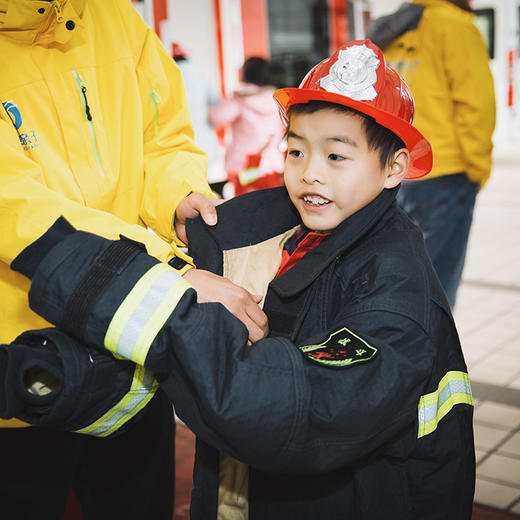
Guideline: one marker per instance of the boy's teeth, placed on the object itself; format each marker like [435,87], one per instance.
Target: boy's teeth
[315,200]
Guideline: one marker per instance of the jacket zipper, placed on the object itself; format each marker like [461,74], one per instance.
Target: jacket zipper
[82,87]
[57,8]
[155,98]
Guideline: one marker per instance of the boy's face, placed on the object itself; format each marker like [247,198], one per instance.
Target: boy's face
[329,171]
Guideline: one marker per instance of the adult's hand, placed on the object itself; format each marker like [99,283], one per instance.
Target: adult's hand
[193,205]
[241,303]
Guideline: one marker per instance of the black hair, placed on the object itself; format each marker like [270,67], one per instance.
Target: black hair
[256,70]
[379,138]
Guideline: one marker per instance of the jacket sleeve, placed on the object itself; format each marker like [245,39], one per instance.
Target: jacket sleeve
[268,404]
[28,207]
[473,95]
[174,165]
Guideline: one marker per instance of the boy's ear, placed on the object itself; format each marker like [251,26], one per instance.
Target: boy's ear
[398,168]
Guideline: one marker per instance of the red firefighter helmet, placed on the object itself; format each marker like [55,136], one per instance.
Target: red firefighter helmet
[356,76]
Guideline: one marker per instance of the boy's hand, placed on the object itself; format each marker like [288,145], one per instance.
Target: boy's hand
[193,205]
[242,304]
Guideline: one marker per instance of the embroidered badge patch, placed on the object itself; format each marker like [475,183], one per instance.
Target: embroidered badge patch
[342,349]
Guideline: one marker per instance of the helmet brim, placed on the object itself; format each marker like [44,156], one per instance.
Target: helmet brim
[421,156]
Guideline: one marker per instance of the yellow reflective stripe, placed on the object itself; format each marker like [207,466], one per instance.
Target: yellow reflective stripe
[144,311]
[128,306]
[143,388]
[158,319]
[454,388]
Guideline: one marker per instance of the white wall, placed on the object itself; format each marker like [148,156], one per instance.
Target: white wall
[232,42]
[192,24]
[506,38]
[382,7]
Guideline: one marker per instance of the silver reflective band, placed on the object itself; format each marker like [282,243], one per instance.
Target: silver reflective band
[144,311]
[454,388]
[143,388]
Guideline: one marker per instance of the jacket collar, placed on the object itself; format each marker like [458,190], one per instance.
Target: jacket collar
[257,216]
[22,21]
[347,234]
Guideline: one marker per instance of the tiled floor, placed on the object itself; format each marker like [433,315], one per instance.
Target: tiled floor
[488,318]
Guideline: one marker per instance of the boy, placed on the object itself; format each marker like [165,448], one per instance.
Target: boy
[358,403]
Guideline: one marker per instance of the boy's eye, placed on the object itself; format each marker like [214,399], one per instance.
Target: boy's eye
[295,153]
[336,157]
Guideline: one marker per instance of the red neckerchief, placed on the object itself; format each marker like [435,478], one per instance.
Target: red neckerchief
[305,241]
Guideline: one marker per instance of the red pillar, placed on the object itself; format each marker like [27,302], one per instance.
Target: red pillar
[220,48]
[160,13]
[338,24]
[255,28]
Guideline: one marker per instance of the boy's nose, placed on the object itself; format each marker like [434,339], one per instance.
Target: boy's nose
[311,174]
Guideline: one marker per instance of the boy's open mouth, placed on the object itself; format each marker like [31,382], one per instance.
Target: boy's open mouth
[315,200]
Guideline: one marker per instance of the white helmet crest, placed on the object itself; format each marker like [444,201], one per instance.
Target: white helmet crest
[353,74]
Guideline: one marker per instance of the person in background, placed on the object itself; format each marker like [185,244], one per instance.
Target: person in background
[95,127]
[437,48]
[253,158]
[201,94]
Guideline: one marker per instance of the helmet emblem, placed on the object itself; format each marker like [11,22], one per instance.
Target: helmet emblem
[353,74]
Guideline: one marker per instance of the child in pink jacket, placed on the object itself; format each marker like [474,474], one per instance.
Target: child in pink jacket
[253,157]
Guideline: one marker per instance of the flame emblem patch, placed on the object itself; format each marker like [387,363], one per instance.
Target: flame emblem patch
[341,349]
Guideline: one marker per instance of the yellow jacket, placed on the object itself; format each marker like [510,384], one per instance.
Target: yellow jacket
[445,63]
[94,126]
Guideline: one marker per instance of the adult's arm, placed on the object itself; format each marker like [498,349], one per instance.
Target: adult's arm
[174,165]
[28,207]
[175,168]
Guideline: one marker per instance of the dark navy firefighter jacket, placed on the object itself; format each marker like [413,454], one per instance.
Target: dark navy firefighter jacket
[357,405]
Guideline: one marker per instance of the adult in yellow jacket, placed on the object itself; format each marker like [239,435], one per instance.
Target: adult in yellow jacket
[437,48]
[94,126]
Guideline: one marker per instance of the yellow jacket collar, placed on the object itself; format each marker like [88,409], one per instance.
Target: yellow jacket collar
[36,21]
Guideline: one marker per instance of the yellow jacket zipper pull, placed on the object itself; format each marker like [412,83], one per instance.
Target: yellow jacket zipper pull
[57,8]
[87,108]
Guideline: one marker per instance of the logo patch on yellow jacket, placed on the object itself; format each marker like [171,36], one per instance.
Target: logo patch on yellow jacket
[341,349]
[28,139]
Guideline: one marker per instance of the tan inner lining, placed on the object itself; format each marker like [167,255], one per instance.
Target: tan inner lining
[253,268]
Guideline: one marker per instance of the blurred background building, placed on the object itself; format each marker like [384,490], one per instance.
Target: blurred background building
[296,34]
